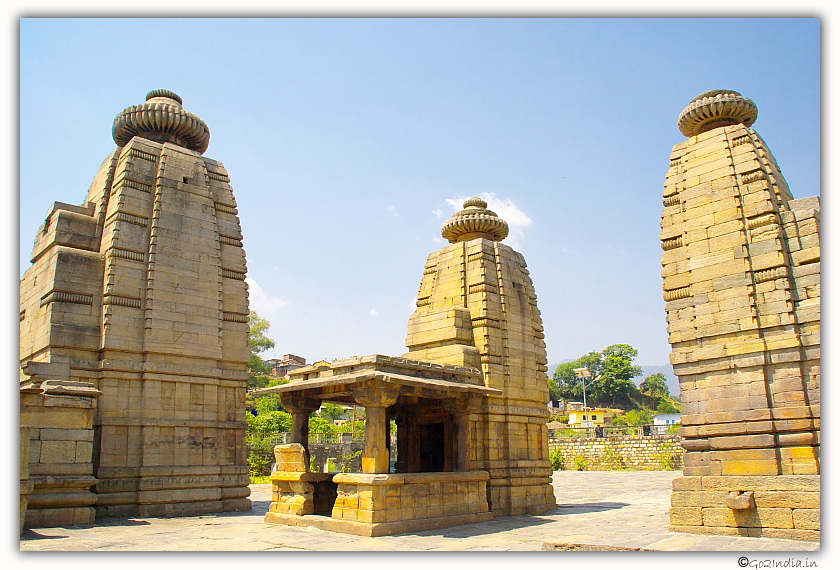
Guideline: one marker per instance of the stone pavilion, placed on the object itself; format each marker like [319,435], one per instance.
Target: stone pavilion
[468,399]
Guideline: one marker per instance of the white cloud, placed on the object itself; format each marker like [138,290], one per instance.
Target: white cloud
[393,210]
[436,239]
[506,209]
[373,313]
[260,302]
[438,213]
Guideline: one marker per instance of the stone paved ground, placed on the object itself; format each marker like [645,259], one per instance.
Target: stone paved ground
[606,508]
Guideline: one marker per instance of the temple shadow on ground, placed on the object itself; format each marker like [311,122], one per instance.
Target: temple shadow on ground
[587,507]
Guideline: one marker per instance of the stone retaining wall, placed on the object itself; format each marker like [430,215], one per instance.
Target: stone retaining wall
[651,453]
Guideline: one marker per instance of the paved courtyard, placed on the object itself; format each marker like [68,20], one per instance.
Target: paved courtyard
[624,509]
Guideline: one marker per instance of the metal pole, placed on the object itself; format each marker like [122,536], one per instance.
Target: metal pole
[585,415]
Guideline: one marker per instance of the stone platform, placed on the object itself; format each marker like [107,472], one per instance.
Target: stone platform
[380,504]
[602,509]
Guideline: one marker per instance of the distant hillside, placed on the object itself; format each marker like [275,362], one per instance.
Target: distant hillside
[666,369]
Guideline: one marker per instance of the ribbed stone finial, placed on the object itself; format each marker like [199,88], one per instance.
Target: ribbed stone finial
[165,94]
[474,221]
[162,119]
[717,108]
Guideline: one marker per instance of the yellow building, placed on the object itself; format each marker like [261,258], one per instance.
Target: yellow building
[577,416]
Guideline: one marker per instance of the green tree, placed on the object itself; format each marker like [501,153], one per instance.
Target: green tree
[566,384]
[612,371]
[259,372]
[655,386]
[616,371]
[321,425]
[331,412]
[666,407]
[269,422]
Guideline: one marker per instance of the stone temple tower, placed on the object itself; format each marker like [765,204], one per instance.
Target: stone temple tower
[477,308]
[141,292]
[741,270]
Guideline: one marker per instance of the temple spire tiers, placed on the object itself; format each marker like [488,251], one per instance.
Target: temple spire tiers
[141,292]
[741,282]
[477,307]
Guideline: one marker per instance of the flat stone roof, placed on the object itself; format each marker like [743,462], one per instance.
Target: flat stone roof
[412,377]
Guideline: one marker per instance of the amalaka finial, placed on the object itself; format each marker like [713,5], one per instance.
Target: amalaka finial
[474,221]
[717,108]
[162,119]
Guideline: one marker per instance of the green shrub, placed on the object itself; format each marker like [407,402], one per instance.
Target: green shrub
[556,457]
[666,407]
[258,464]
[350,462]
[581,463]
[614,459]
[639,417]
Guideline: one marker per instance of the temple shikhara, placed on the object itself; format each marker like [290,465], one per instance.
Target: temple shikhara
[468,399]
[134,334]
[741,271]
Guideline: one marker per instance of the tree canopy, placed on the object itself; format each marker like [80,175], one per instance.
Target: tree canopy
[612,371]
[655,386]
[260,373]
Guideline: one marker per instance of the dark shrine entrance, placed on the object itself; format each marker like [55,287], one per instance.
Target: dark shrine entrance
[425,438]
[432,442]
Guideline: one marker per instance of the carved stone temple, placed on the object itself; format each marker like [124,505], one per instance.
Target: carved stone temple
[468,399]
[741,270]
[135,313]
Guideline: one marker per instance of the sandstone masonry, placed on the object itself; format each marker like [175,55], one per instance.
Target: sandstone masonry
[477,307]
[140,291]
[741,280]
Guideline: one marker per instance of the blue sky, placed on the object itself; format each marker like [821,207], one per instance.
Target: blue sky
[349,141]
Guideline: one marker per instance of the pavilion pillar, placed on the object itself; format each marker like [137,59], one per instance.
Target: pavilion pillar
[300,408]
[376,400]
[461,408]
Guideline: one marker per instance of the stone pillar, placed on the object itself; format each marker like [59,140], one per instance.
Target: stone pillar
[462,430]
[376,458]
[25,484]
[401,465]
[461,409]
[376,400]
[300,408]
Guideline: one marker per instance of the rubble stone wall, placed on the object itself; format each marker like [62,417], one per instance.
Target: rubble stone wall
[640,453]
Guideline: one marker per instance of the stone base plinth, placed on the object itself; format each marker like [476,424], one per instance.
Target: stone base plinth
[773,506]
[376,529]
[57,414]
[172,491]
[523,488]
[382,504]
